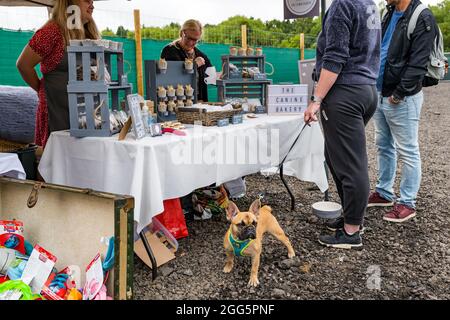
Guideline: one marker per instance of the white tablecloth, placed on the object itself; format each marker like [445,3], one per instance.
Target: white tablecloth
[160,168]
[10,166]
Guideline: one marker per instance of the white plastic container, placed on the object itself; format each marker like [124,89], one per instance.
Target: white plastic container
[7,257]
[327,209]
[145,118]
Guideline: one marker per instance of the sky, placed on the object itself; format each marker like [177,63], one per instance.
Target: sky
[114,13]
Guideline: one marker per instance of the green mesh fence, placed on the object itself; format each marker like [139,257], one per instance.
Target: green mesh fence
[12,44]
[284,61]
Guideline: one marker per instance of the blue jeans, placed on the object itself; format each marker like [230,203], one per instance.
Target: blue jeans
[397,133]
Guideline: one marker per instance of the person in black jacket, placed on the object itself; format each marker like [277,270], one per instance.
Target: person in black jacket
[403,68]
[185,48]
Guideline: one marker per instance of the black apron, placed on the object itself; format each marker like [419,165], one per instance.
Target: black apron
[55,83]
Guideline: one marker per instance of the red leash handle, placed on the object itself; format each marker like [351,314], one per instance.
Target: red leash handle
[174,131]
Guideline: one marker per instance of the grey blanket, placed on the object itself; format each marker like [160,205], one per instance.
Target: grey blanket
[18,107]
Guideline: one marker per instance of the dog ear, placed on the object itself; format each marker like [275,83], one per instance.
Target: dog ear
[232,210]
[254,208]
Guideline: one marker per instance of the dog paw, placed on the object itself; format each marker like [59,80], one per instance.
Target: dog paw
[227,268]
[253,282]
[291,255]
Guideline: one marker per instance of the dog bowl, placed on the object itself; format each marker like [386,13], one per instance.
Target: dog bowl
[327,209]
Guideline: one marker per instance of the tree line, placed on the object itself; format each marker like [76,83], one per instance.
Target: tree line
[275,33]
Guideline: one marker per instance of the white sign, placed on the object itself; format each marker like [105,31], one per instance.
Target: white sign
[287,99]
[300,8]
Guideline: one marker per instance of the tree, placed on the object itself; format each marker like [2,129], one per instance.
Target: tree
[441,13]
[121,32]
[108,33]
[270,33]
[275,33]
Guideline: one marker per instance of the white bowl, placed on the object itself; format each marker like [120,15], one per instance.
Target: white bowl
[327,209]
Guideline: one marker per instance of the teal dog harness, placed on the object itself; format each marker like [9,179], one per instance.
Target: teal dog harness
[238,245]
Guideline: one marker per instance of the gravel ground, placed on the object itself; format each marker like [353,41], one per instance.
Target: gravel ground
[397,261]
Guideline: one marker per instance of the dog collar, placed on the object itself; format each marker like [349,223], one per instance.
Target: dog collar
[238,245]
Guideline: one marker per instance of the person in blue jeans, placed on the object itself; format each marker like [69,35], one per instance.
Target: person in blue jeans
[402,70]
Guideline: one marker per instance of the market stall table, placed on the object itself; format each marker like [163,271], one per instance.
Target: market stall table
[170,166]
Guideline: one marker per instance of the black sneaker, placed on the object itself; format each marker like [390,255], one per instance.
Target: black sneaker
[338,223]
[341,240]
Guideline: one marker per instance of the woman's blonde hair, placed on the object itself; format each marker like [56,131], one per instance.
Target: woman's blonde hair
[60,17]
[191,25]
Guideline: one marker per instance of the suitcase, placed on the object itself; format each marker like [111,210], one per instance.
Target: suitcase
[70,222]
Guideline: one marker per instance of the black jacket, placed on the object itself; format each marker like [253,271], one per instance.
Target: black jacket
[173,52]
[406,62]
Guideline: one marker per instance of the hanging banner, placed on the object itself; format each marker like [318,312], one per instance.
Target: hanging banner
[294,9]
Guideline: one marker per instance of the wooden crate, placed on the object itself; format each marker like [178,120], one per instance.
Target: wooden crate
[86,94]
[242,62]
[244,89]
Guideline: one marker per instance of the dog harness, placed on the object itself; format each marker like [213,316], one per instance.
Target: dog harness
[238,245]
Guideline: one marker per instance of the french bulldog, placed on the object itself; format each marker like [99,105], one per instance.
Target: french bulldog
[245,235]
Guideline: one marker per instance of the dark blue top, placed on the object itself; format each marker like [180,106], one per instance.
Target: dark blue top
[385,45]
[349,43]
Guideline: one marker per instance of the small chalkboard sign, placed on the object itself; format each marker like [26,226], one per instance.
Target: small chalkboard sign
[136,117]
[287,99]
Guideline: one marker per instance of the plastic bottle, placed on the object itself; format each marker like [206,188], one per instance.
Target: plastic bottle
[151,120]
[145,116]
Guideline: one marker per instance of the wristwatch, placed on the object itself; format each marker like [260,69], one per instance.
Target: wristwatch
[395,100]
[316,99]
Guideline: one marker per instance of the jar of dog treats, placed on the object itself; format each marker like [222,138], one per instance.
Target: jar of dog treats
[170,91]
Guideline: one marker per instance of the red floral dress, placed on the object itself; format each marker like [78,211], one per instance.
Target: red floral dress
[48,43]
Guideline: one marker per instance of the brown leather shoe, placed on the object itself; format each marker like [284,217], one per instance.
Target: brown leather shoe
[400,213]
[375,200]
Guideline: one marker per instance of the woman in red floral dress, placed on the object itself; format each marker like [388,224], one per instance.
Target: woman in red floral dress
[48,47]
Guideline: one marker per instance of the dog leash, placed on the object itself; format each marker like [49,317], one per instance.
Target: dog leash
[261,195]
[301,131]
[293,145]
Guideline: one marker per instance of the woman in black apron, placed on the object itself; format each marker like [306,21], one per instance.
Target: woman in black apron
[48,48]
